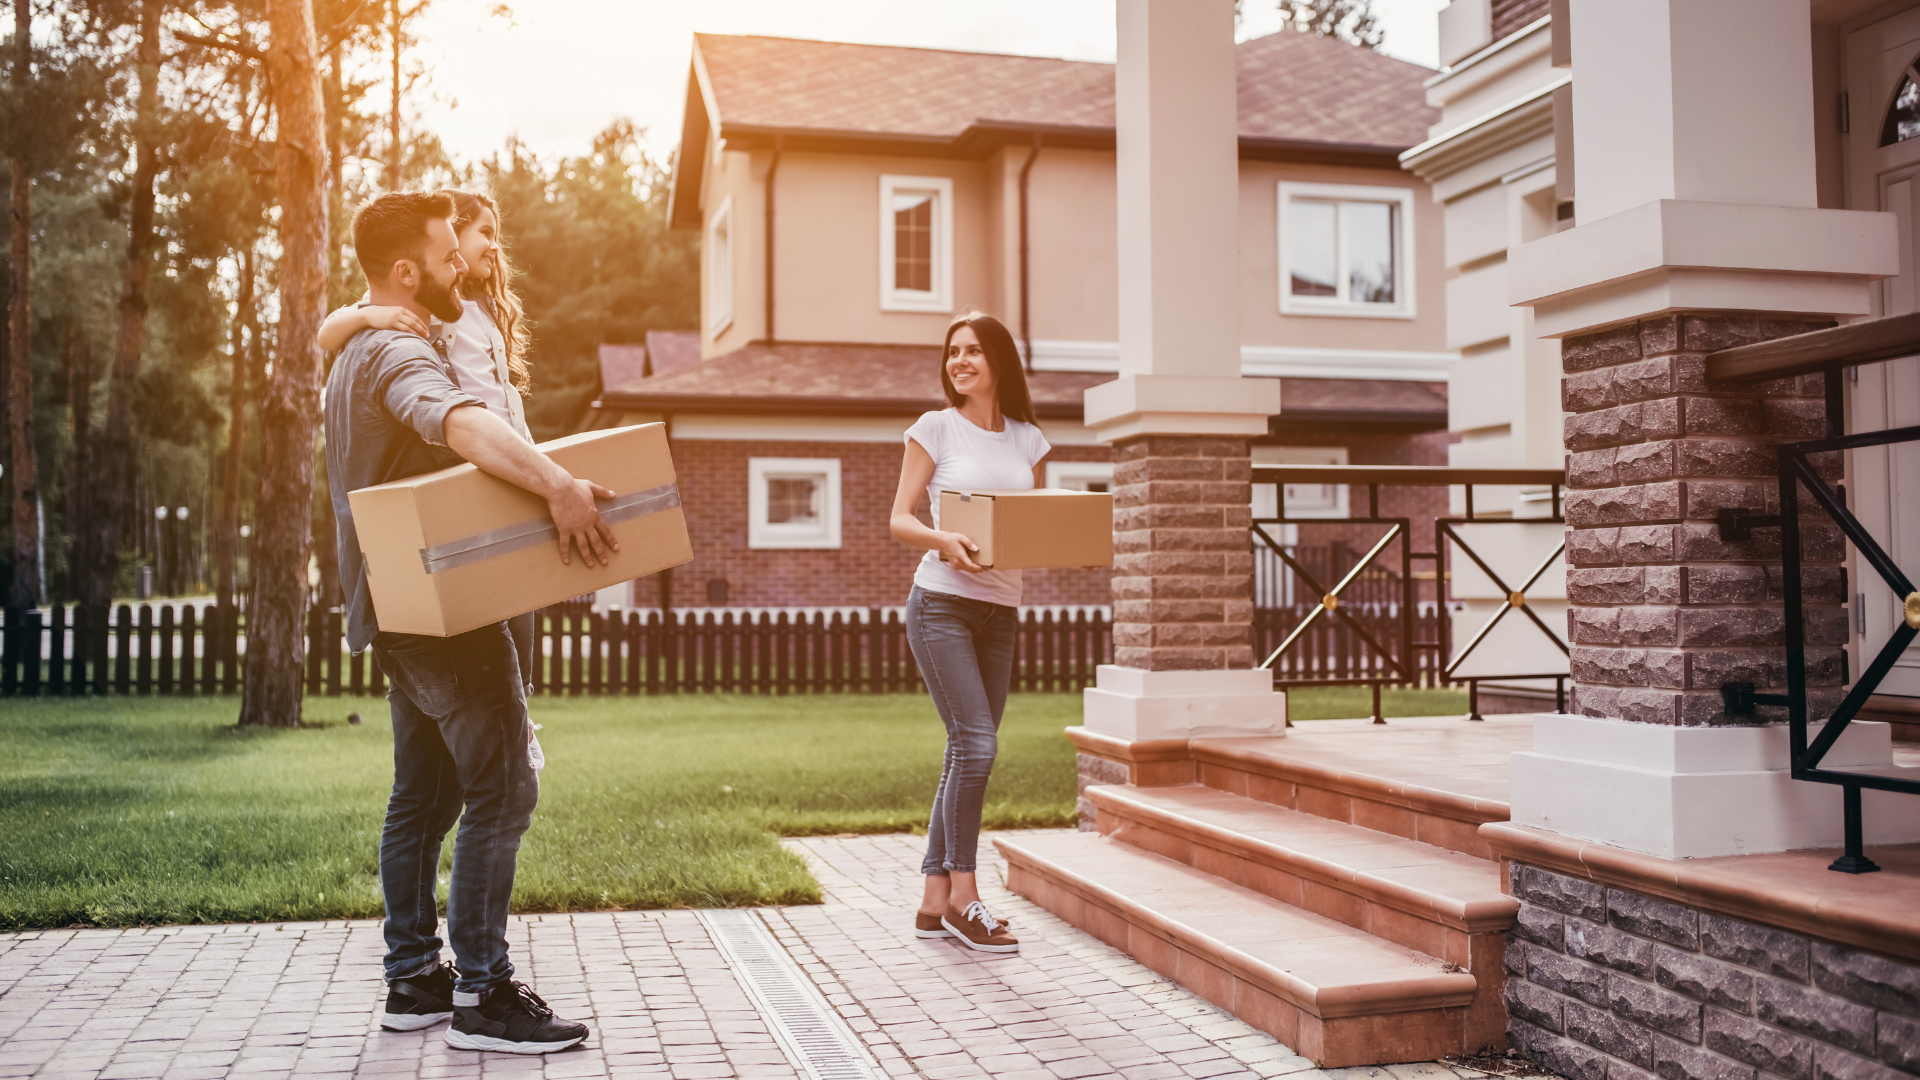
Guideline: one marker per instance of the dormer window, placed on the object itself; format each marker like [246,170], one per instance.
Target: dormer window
[916,243]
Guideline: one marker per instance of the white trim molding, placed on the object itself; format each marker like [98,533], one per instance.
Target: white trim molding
[717,254]
[1341,196]
[1080,475]
[1272,361]
[763,534]
[939,298]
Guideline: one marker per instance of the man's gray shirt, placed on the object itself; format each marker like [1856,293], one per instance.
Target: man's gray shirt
[386,408]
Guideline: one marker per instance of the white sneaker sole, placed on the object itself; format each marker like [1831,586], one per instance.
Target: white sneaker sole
[977,946]
[411,1021]
[943,932]
[462,1040]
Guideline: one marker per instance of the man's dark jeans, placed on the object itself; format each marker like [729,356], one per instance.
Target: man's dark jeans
[459,740]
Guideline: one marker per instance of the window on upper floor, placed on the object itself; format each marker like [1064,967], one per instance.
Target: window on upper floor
[719,262]
[1346,250]
[1903,116]
[793,503]
[916,243]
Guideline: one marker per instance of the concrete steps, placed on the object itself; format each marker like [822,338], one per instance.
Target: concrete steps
[1329,889]
[1335,994]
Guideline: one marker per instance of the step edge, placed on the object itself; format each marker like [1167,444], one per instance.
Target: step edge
[1440,989]
[1464,808]
[1473,917]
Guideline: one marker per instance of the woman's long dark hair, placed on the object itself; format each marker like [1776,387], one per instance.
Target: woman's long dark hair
[1003,359]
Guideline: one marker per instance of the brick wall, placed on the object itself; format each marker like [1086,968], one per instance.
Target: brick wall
[1607,984]
[1663,611]
[869,568]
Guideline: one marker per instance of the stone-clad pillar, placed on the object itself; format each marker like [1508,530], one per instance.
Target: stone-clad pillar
[1183,561]
[1664,613]
[1180,415]
[1698,228]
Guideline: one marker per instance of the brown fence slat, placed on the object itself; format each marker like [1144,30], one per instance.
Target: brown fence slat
[143,673]
[189,649]
[331,659]
[56,648]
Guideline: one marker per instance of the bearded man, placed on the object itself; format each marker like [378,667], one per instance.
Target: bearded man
[460,731]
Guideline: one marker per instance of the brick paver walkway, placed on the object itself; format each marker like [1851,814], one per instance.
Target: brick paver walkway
[302,999]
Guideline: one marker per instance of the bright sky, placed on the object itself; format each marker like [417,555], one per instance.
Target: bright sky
[564,68]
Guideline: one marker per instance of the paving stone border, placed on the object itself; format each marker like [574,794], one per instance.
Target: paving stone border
[267,1001]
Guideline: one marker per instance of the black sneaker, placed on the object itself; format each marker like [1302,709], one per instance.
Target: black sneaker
[419,1001]
[512,1020]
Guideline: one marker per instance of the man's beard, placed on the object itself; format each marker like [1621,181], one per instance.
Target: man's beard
[442,300]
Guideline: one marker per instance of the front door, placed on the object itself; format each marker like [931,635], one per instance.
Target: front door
[1883,173]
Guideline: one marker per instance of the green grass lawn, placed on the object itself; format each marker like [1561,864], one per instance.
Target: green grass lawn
[124,812]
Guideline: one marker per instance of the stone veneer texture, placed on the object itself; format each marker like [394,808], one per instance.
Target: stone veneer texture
[1663,612]
[1182,553]
[1607,984]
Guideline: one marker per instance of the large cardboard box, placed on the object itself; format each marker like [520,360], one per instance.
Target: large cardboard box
[1031,530]
[456,549]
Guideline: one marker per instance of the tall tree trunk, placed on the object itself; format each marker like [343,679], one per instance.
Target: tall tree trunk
[336,178]
[24,476]
[79,469]
[115,456]
[276,648]
[227,533]
[394,157]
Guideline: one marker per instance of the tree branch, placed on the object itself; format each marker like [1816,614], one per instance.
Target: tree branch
[239,47]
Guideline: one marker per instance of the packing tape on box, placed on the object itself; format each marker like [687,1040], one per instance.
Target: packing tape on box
[527,534]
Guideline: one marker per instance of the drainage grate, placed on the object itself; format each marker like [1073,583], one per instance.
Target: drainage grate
[813,1036]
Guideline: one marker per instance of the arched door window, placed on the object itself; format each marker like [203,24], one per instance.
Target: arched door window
[1903,116]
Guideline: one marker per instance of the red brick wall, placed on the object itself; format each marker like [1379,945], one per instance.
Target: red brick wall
[869,568]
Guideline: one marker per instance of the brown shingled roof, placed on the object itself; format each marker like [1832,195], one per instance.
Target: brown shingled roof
[1292,87]
[1300,96]
[794,378]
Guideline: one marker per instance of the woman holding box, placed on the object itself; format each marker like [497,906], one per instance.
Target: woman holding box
[961,616]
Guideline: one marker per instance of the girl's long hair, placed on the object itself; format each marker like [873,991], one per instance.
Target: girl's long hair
[496,293]
[1003,359]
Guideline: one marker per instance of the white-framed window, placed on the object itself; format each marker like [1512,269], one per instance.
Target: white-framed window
[916,243]
[719,260]
[1080,475]
[1303,500]
[1346,249]
[793,503]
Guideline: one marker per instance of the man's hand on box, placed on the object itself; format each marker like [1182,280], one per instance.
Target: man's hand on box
[579,524]
[957,549]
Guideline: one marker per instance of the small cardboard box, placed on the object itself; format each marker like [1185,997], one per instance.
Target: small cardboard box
[456,549]
[1031,530]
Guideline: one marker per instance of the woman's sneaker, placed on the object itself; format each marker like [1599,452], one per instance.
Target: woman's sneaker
[419,1001]
[511,1019]
[927,926]
[979,930]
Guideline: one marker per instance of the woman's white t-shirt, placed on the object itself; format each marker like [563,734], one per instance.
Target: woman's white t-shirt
[967,457]
[478,352]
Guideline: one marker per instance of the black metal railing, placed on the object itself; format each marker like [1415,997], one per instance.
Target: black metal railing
[1380,641]
[1829,353]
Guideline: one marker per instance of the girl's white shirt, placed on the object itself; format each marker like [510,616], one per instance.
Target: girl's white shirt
[967,457]
[478,352]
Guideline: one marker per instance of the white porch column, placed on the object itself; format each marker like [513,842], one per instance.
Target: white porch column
[1698,229]
[1180,415]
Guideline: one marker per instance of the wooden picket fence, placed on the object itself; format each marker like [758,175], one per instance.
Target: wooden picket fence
[75,651]
[1330,652]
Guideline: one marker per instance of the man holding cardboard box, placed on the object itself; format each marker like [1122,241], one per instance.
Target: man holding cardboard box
[394,410]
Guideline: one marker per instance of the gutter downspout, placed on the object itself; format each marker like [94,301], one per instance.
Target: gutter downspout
[1026,323]
[772,168]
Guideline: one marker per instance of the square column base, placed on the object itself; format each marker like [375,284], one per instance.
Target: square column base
[1697,792]
[1135,704]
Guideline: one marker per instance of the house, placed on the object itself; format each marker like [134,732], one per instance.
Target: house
[1686,239]
[852,199]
